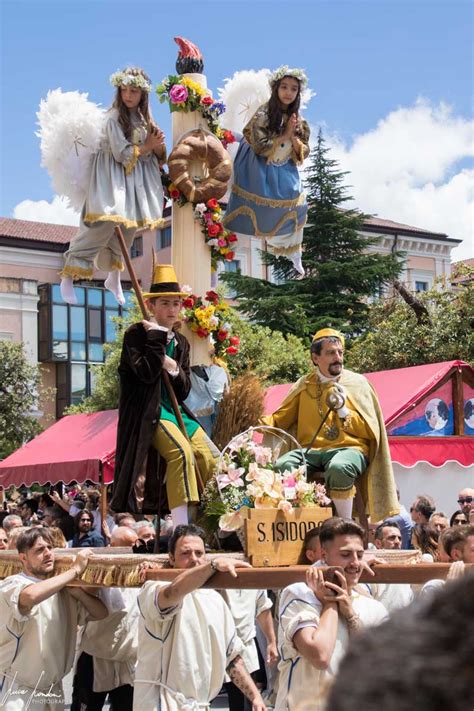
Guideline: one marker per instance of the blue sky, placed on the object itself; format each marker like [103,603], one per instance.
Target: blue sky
[369,61]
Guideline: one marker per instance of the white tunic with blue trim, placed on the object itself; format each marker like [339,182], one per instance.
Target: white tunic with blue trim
[37,649]
[183,651]
[301,686]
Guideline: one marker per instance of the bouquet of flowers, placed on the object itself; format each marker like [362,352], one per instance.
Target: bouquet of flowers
[211,320]
[184,94]
[246,477]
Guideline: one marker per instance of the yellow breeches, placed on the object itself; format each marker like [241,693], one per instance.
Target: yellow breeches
[181,485]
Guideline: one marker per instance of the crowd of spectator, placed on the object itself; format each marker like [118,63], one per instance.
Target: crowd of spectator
[293,648]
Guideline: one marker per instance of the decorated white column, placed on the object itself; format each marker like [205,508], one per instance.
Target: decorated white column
[190,255]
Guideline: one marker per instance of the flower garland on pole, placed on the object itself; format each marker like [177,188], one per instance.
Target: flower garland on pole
[211,319]
[221,241]
[183,94]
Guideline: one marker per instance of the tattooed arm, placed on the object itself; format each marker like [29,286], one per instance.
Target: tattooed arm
[241,678]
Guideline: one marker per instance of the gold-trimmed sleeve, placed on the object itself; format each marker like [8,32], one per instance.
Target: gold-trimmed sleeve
[130,165]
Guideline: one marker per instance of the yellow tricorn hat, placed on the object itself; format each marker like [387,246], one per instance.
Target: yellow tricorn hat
[327,332]
[164,282]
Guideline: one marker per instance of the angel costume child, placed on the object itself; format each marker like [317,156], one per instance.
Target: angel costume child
[267,198]
[124,187]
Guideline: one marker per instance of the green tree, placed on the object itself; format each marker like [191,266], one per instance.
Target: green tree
[439,326]
[19,397]
[340,271]
[270,355]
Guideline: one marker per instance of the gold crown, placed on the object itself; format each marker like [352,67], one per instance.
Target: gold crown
[327,332]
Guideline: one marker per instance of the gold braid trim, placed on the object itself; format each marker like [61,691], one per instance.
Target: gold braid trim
[245,210]
[117,266]
[76,272]
[267,202]
[133,160]
[299,154]
[343,493]
[149,224]
[108,570]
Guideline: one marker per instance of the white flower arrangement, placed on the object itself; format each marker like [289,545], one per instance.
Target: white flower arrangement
[138,81]
[246,477]
[285,71]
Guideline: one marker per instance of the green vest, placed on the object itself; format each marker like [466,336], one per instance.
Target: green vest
[167,412]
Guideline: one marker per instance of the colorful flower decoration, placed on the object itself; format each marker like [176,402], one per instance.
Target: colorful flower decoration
[125,78]
[211,319]
[184,94]
[246,477]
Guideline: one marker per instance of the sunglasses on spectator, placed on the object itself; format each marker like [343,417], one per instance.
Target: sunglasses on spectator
[466,500]
[459,522]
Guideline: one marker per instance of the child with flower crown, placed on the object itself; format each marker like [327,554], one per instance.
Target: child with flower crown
[267,199]
[124,188]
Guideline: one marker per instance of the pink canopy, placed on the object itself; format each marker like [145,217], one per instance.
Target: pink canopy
[75,448]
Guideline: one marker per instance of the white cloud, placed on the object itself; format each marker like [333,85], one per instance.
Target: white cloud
[407,169]
[56,211]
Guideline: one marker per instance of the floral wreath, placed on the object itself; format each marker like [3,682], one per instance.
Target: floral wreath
[210,319]
[285,71]
[124,78]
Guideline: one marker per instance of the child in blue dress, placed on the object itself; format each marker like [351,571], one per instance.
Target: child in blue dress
[267,198]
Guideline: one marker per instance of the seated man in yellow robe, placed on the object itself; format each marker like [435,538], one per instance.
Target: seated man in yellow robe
[350,442]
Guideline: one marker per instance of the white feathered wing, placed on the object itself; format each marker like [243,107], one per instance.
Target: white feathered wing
[242,94]
[70,132]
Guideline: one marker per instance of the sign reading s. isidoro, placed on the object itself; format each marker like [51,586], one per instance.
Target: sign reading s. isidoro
[276,538]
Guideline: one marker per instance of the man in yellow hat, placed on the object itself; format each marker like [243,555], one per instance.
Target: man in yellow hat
[335,415]
[147,427]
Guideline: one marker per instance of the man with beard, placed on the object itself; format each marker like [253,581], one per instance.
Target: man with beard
[187,639]
[85,536]
[317,618]
[351,441]
[39,620]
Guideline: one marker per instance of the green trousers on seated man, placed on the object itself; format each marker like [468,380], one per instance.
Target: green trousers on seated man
[340,467]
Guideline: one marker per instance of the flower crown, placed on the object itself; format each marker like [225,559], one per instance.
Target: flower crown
[126,79]
[285,71]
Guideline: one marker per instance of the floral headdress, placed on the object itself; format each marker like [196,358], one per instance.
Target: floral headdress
[125,78]
[285,71]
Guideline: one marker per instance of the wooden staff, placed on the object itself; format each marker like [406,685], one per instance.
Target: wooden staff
[166,380]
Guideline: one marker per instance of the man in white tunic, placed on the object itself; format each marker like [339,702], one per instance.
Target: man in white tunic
[388,536]
[317,618]
[187,637]
[108,649]
[39,617]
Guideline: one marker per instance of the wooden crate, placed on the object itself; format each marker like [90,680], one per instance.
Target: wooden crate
[276,538]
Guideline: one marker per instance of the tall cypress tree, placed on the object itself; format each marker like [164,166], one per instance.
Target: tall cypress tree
[341,274]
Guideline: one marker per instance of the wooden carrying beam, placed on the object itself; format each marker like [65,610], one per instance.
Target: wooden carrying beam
[274,578]
[109,567]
